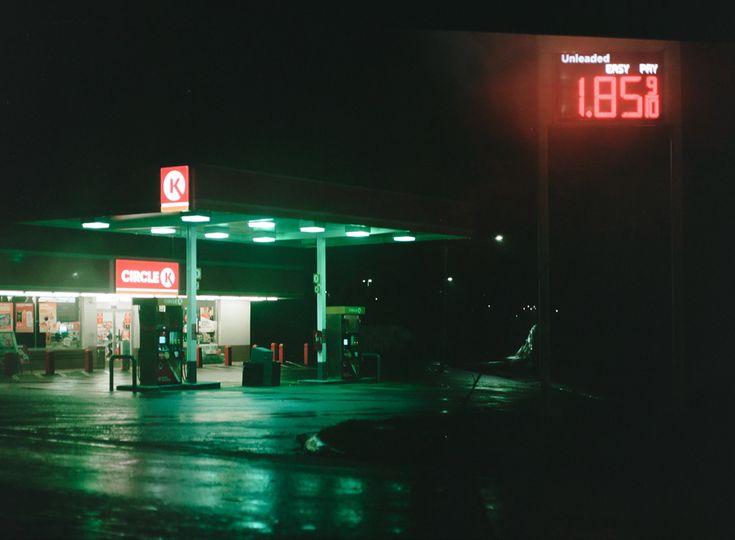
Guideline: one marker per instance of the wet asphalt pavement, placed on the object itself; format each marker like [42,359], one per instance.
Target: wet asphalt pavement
[425,459]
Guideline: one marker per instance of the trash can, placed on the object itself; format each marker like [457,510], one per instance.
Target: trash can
[261,370]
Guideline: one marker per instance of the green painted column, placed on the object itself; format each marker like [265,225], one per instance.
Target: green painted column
[191,298]
[321,304]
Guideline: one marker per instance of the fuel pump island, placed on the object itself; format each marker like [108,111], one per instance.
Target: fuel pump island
[161,357]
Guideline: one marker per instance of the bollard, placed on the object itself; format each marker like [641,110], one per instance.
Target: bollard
[280,353]
[88,360]
[228,355]
[306,354]
[199,356]
[273,350]
[49,362]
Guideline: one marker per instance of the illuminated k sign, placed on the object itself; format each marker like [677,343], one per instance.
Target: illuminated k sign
[168,278]
[174,185]
[175,189]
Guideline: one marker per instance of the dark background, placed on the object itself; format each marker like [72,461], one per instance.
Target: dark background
[94,98]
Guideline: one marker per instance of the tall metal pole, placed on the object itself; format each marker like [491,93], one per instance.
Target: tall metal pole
[543,250]
[680,368]
[321,305]
[191,298]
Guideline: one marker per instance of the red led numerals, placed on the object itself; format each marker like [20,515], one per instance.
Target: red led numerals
[611,94]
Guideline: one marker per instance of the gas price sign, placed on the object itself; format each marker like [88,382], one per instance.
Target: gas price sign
[604,87]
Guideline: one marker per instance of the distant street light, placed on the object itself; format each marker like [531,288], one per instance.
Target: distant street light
[499,238]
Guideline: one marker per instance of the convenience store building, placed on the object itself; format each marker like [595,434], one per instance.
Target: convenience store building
[212,239]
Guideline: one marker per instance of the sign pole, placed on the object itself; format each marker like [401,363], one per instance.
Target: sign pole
[542,226]
[680,367]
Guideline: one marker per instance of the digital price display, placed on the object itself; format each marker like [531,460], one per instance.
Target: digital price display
[609,87]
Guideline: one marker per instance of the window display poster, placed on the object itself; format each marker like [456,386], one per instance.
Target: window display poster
[47,317]
[24,318]
[6,317]
[206,320]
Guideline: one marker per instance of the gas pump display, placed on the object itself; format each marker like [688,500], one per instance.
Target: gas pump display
[344,358]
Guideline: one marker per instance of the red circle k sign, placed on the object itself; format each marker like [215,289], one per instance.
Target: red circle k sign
[154,277]
[175,189]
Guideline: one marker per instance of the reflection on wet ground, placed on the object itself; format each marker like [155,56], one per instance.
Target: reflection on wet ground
[427,459]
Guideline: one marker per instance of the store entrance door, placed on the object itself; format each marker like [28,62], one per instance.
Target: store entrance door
[117,331]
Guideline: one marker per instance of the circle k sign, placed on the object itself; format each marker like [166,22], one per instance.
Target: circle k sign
[160,278]
[175,189]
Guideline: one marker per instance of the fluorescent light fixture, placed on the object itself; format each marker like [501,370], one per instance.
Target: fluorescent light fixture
[162,230]
[271,298]
[264,239]
[216,235]
[95,225]
[404,238]
[38,293]
[12,293]
[357,231]
[312,229]
[194,218]
[264,224]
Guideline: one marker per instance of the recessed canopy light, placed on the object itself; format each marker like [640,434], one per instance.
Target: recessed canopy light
[162,230]
[216,235]
[265,224]
[357,231]
[264,239]
[404,238]
[95,225]
[194,218]
[499,238]
[312,229]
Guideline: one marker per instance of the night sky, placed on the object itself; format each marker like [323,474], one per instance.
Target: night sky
[92,100]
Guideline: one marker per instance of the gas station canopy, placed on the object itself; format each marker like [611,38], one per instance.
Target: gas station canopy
[237,206]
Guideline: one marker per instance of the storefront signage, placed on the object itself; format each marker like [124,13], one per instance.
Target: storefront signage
[175,189]
[46,317]
[24,318]
[153,277]
[6,317]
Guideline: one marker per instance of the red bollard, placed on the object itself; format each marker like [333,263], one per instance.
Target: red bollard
[88,360]
[273,350]
[49,362]
[228,355]
[199,356]
[280,353]
[306,354]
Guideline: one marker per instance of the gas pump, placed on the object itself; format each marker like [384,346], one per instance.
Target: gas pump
[161,354]
[344,358]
